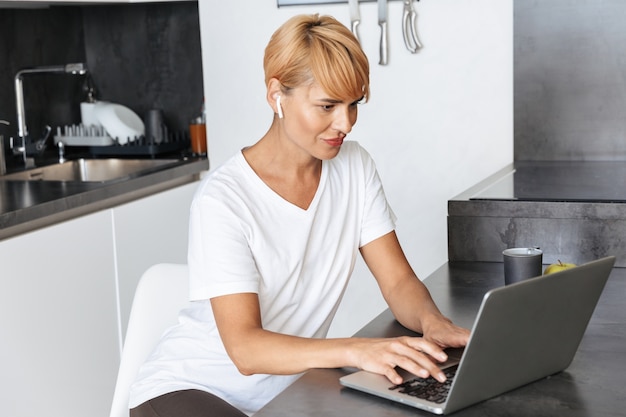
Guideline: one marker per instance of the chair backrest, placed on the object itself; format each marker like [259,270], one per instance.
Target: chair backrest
[161,293]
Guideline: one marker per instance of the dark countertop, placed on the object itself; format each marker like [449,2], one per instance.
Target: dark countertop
[28,205]
[593,385]
[573,181]
[573,210]
[548,189]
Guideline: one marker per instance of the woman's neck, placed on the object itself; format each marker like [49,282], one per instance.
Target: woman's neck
[288,171]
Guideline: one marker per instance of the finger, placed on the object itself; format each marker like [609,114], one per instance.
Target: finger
[414,355]
[393,376]
[430,348]
[423,367]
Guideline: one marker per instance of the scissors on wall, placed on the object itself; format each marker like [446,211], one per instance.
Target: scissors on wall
[409,27]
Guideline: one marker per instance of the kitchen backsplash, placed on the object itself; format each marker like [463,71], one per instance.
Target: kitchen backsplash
[143,56]
[570,80]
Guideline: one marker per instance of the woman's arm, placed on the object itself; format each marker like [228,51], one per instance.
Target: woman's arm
[255,350]
[406,295]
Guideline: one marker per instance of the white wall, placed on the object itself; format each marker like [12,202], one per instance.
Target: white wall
[437,122]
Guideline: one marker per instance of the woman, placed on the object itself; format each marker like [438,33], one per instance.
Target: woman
[274,235]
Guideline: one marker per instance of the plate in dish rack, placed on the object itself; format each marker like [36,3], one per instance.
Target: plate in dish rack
[119,121]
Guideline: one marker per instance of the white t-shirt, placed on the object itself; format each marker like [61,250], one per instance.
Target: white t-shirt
[244,237]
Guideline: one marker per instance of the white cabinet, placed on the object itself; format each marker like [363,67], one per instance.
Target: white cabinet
[66,295]
[149,231]
[58,320]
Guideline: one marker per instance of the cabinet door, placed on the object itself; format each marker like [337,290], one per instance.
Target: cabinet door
[59,349]
[149,231]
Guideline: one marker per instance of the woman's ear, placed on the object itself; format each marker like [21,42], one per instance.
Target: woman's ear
[273,96]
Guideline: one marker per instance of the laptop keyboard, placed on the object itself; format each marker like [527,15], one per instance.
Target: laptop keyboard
[429,388]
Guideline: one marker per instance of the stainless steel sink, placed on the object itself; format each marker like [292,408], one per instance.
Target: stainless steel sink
[92,170]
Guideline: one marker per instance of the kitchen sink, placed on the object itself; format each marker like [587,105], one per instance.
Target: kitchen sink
[92,170]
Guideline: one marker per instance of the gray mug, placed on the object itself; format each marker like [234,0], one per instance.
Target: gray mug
[156,132]
[521,264]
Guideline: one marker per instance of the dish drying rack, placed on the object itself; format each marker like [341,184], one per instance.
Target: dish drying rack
[99,143]
[81,135]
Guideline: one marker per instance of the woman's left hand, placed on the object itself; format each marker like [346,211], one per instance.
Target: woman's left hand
[444,333]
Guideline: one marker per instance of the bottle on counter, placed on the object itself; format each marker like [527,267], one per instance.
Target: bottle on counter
[197,133]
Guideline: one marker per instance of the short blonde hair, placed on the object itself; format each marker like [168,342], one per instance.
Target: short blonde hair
[309,48]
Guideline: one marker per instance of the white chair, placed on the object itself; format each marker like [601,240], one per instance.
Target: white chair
[161,293]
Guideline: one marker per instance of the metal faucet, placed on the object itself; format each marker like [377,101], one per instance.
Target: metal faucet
[22,130]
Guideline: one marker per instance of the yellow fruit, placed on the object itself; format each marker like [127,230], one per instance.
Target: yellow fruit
[560,266]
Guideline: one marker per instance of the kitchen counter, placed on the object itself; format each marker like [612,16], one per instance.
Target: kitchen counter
[557,181]
[574,211]
[29,205]
[592,385]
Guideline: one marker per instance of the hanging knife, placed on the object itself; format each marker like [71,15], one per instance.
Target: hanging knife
[355,17]
[382,22]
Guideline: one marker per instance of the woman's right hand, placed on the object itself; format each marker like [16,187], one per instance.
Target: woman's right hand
[414,354]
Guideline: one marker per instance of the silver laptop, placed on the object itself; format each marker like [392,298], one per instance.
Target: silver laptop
[523,332]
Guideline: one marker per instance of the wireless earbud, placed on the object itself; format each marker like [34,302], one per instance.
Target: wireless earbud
[279,108]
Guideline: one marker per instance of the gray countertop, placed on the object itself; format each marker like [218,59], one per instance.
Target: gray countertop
[574,181]
[548,189]
[574,210]
[593,385]
[28,205]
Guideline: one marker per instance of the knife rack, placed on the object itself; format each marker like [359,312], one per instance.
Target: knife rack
[281,3]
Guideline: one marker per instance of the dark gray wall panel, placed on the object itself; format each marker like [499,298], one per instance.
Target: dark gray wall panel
[140,55]
[570,79]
